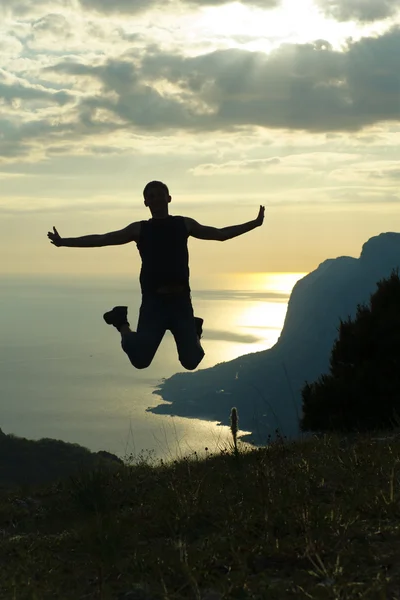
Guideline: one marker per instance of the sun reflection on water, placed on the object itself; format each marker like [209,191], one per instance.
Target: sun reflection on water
[255,320]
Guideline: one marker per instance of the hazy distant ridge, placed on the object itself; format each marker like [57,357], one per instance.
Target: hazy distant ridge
[265,386]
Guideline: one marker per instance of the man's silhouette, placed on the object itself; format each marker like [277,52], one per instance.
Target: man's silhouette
[164,277]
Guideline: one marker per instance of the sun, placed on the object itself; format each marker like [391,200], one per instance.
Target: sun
[263,30]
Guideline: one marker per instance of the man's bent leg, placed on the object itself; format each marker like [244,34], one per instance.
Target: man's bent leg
[184,330]
[140,348]
[141,345]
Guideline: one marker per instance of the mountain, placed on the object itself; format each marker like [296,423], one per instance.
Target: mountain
[266,386]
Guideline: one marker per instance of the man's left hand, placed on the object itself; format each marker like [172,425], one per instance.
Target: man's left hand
[260,218]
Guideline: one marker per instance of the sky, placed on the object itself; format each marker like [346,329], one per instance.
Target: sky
[292,104]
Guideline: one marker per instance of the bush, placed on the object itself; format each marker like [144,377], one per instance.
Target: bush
[362,390]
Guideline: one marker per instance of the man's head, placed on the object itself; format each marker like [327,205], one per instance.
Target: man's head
[156,193]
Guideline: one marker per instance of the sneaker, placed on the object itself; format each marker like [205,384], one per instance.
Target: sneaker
[199,326]
[118,316]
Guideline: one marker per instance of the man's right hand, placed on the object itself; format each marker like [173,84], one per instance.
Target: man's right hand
[54,237]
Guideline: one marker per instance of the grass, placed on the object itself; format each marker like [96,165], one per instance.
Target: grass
[317,518]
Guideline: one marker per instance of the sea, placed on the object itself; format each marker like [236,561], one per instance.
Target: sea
[63,374]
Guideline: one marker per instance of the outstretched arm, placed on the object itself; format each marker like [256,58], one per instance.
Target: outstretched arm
[202,232]
[114,238]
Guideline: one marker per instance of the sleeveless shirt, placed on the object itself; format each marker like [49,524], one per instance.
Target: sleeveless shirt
[163,248]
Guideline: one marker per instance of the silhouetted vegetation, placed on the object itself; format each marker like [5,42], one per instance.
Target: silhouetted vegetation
[362,390]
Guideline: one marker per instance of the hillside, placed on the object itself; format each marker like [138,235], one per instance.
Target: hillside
[27,462]
[313,519]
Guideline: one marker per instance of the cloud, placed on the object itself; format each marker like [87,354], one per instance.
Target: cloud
[19,7]
[392,174]
[235,166]
[5,175]
[309,88]
[12,88]
[31,115]
[140,6]
[364,11]
[379,169]
[292,163]
[304,87]
[53,22]
[263,4]
[386,174]
[121,6]
[359,195]
[23,205]
[127,97]
[28,140]
[10,45]
[25,7]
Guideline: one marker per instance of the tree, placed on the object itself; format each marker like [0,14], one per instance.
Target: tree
[362,390]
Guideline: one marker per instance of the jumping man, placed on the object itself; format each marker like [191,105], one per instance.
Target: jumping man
[162,242]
